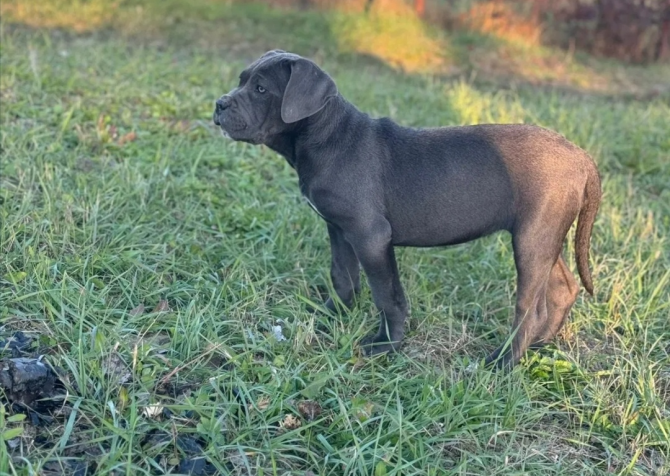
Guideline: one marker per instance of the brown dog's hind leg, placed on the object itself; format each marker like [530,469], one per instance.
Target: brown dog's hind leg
[562,290]
[536,249]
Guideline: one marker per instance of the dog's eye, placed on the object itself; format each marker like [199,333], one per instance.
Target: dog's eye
[260,89]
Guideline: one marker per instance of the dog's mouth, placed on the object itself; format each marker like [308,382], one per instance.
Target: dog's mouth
[236,129]
[238,135]
[230,126]
[233,133]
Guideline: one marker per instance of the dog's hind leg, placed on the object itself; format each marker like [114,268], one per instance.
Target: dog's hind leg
[536,249]
[562,290]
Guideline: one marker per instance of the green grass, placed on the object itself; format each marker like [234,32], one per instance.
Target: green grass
[213,240]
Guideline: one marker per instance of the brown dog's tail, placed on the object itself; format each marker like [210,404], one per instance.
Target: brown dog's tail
[587,215]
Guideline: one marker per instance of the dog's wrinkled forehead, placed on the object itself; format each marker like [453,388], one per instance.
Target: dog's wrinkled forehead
[269,62]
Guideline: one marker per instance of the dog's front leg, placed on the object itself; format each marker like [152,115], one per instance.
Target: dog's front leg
[373,246]
[344,269]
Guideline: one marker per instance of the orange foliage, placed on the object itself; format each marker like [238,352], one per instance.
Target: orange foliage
[500,20]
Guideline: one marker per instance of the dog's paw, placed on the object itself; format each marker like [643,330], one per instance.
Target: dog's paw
[338,308]
[376,344]
[319,309]
[331,306]
[501,359]
[325,323]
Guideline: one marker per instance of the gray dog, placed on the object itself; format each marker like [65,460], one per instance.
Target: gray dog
[380,185]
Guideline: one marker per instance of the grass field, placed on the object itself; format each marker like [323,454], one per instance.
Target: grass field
[149,259]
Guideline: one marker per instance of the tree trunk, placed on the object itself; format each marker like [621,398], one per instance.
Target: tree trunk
[664,49]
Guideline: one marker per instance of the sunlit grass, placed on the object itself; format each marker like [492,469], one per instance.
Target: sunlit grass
[475,107]
[80,16]
[392,33]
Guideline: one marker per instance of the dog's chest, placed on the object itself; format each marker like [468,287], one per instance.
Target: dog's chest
[313,206]
[304,191]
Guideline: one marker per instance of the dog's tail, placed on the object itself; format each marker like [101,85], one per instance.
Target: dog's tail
[587,215]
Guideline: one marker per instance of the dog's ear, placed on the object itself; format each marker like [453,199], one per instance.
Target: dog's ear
[307,91]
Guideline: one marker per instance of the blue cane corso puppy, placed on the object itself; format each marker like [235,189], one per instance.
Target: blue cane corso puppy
[379,185]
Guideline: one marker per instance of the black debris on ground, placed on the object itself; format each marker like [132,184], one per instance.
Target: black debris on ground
[25,380]
[196,467]
[17,345]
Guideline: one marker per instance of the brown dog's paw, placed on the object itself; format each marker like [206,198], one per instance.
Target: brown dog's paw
[501,359]
[376,344]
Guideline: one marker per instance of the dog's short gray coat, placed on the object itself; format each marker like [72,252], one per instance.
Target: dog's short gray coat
[380,185]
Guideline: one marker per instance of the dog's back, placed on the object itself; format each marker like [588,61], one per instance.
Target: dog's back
[504,170]
[450,185]
[444,186]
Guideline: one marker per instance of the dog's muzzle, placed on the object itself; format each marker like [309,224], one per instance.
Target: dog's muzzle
[226,116]
[222,104]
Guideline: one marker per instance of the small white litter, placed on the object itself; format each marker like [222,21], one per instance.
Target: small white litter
[152,411]
[277,331]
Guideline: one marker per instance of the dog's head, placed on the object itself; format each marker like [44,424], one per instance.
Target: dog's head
[275,92]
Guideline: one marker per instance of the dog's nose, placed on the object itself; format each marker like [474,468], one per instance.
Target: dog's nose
[223,103]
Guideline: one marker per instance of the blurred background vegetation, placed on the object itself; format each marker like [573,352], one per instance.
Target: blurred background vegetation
[631,30]
[568,43]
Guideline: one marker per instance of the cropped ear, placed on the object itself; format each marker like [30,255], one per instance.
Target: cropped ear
[307,91]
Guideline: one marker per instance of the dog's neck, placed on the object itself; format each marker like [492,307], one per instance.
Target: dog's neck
[302,143]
